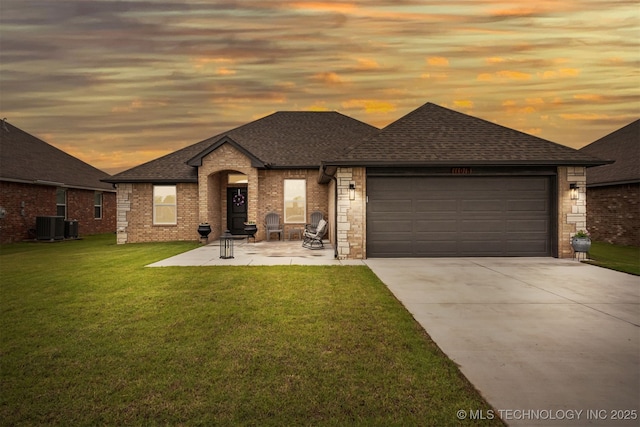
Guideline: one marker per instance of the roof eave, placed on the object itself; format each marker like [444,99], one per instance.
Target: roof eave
[150,180]
[55,184]
[457,163]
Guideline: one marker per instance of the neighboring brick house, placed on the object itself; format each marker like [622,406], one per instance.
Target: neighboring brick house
[613,211]
[37,179]
[434,183]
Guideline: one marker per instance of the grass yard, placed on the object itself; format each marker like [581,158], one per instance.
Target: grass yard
[91,337]
[621,258]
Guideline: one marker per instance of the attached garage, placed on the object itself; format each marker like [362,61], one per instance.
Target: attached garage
[436,216]
[440,183]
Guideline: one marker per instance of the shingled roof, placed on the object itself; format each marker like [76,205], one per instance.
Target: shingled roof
[432,135]
[623,146]
[25,158]
[288,139]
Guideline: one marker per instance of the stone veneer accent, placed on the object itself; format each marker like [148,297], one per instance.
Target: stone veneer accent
[572,214]
[351,238]
[351,220]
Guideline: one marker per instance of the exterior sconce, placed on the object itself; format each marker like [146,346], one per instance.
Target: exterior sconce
[226,245]
[573,188]
[352,191]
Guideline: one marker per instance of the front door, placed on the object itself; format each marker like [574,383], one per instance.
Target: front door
[236,209]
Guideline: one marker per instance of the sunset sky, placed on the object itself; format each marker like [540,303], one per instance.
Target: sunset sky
[118,83]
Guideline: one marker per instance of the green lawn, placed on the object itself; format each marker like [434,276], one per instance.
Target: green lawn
[621,258]
[91,337]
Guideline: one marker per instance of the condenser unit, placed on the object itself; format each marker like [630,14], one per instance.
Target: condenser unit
[50,227]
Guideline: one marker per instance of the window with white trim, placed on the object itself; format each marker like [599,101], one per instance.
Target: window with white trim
[295,201]
[97,205]
[61,202]
[164,205]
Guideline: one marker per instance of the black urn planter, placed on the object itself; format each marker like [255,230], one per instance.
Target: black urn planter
[204,230]
[251,230]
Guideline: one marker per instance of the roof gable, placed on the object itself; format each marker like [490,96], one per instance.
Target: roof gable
[288,139]
[434,135]
[25,158]
[197,159]
[623,146]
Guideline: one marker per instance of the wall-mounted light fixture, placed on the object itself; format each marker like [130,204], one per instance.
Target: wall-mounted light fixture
[574,191]
[352,191]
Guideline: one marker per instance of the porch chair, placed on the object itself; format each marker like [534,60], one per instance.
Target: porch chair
[272,225]
[313,240]
[316,216]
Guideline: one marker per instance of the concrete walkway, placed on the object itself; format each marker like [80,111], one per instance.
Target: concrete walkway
[541,338]
[261,253]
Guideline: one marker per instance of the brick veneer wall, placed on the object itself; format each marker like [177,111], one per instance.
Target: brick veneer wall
[135,214]
[24,202]
[613,214]
[207,201]
[271,197]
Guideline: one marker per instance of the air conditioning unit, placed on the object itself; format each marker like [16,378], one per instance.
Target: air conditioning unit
[71,229]
[50,227]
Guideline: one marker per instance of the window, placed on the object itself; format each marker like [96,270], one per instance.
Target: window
[295,200]
[97,205]
[61,202]
[164,205]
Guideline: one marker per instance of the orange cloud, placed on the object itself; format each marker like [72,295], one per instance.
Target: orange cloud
[330,78]
[463,103]
[437,76]
[438,61]
[318,106]
[495,60]
[136,105]
[591,97]
[370,105]
[225,72]
[502,75]
[514,75]
[563,72]
[366,64]
[324,7]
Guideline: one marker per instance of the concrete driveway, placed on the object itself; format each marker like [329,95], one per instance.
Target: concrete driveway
[546,341]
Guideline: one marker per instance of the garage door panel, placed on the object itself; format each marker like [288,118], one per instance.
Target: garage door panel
[436,205]
[491,205]
[458,216]
[534,205]
[436,225]
[392,206]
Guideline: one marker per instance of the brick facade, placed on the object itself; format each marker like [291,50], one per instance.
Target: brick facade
[135,214]
[24,202]
[613,213]
[207,201]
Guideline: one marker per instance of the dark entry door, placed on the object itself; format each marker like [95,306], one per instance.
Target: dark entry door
[236,209]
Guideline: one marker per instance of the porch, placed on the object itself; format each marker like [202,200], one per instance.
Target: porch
[247,252]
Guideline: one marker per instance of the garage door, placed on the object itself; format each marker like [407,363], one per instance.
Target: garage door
[458,216]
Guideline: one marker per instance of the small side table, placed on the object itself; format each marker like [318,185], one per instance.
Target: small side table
[294,232]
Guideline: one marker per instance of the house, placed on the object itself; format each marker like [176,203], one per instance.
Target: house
[614,189]
[38,180]
[434,183]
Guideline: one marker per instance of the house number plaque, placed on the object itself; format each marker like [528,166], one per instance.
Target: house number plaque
[461,171]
